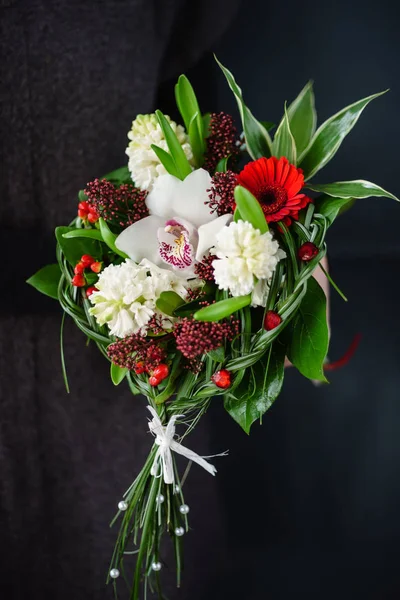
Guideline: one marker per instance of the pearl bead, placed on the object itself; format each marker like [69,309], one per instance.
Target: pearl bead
[156,566]
[114,573]
[184,509]
[179,531]
[160,498]
[177,489]
[122,505]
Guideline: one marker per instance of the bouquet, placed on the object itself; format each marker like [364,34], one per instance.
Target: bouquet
[191,269]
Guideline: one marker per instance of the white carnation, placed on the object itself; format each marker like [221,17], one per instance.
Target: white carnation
[144,165]
[127,294]
[245,256]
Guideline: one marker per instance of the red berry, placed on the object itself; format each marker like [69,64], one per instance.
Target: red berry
[154,380]
[307,251]
[222,379]
[82,213]
[78,281]
[93,217]
[79,268]
[90,290]
[87,260]
[272,320]
[96,267]
[84,206]
[140,368]
[161,372]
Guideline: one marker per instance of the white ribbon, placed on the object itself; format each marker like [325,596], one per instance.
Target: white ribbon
[166,443]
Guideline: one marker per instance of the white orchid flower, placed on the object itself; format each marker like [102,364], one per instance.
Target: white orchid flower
[180,229]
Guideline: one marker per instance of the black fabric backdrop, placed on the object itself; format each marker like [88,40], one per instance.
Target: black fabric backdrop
[308,505]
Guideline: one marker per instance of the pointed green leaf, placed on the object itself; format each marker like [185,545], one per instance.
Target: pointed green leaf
[206,124]
[303,117]
[109,238]
[190,111]
[121,175]
[309,341]
[166,160]
[118,374]
[93,234]
[330,208]
[258,141]
[329,136]
[223,308]
[74,248]
[46,280]
[168,302]
[352,189]
[196,138]
[250,209]
[175,149]
[284,144]
[222,165]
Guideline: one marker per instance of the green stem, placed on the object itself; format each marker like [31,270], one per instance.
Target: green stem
[333,284]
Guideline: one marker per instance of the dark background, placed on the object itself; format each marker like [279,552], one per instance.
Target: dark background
[308,505]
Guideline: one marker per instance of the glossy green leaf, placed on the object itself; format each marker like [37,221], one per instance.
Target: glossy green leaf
[196,138]
[118,176]
[329,136]
[168,302]
[109,238]
[258,141]
[74,248]
[117,374]
[284,144]
[166,160]
[309,341]
[82,196]
[352,189]
[223,308]
[189,108]
[250,209]
[46,280]
[206,124]
[222,165]
[330,207]
[303,117]
[259,389]
[218,354]
[93,234]
[175,149]
[237,216]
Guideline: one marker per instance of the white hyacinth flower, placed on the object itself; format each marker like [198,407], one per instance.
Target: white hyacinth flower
[127,294]
[144,165]
[246,260]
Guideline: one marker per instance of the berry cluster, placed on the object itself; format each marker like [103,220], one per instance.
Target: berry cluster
[222,200]
[121,206]
[223,140]
[140,355]
[79,279]
[87,212]
[204,269]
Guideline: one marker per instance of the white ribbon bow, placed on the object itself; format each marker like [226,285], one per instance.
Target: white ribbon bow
[165,440]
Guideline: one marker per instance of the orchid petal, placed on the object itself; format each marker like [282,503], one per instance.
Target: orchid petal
[140,241]
[191,196]
[208,234]
[160,200]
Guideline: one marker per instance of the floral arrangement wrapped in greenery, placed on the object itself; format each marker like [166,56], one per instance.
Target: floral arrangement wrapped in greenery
[192,271]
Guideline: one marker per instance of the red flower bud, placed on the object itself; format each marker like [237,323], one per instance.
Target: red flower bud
[90,290]
[222,379]
[82,213]
[87,260]
[154,381]
[79,268]
[83,206]
[78,281]
[271,320]
[307,251]
[161,372]
[140,368]
[96,267]
[93,217]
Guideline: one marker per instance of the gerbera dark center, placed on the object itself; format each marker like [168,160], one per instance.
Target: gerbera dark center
[272,198]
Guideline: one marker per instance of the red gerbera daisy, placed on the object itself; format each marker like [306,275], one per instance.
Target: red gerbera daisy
[276,185]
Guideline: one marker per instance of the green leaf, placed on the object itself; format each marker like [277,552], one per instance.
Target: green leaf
[330,208]
[352,189]
[109,238]
[118,176]
[196,138]
[206,124]
[46,280]
[284,144]
[218,354]
[303,117]
[309,341]
[268,125]
[175,149]
[82,196]
[222,165]
[93,234]
[168,302]
[258,141]
[166,160]
[223,308]
[259,390]
[329,136]
[190,111]
[74,248]
[250,209]
[118,374]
